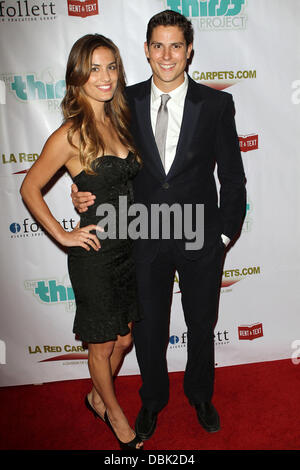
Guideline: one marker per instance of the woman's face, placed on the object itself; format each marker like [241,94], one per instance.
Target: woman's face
[103,79]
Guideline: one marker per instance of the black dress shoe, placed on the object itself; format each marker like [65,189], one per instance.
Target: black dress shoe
[145,423]
[208,416]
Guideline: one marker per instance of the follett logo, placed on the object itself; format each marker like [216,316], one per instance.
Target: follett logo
[176,342]
[250,332]
[83,8]
[27,11]
[14,227]
[30,228]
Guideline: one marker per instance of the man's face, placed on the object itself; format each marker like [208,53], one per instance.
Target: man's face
[167,54]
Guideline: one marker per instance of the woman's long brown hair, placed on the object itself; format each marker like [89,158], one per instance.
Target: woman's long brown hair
[77,110]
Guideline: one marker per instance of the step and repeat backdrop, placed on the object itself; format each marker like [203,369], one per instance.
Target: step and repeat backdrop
[249,48]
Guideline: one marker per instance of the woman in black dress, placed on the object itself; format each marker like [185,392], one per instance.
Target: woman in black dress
[95,146]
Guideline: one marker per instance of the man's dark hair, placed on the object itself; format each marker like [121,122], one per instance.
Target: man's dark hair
[171,18]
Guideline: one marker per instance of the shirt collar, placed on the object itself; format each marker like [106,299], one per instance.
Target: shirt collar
[177,95]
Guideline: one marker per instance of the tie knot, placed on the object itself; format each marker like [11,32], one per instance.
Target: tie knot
[165,99]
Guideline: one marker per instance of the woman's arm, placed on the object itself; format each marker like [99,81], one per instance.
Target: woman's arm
[56,153]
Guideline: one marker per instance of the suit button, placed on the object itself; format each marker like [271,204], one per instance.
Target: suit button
[166,185]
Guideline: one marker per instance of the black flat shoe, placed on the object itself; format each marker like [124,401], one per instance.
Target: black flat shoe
[90,408]
[208,416]
[129,446]
[145,423]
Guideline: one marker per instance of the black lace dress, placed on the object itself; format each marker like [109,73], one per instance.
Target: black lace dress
[104,282]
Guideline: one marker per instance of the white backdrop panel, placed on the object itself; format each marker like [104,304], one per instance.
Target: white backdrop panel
[249,48]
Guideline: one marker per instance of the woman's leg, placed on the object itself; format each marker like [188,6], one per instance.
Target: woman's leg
[116,358]
[101,363]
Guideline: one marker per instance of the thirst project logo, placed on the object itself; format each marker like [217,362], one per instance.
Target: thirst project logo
[212,15]
[45,87]
[52,292]
[28,88]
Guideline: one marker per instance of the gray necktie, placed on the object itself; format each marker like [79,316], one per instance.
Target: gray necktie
[161,127]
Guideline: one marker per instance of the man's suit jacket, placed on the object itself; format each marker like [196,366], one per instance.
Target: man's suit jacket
[207,138]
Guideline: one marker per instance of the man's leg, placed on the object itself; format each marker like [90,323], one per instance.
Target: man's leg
[155,287]
[200,282]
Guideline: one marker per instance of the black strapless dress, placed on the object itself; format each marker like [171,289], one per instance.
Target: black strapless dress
[104,282]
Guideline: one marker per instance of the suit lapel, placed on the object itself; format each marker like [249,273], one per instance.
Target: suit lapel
[143,110]
[190,120]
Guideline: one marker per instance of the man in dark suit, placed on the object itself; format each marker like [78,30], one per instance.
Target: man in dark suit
[178,167]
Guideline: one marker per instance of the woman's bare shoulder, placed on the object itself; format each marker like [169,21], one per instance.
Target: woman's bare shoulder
[60,138]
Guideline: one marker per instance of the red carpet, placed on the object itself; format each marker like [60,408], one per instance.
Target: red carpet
[259,406]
